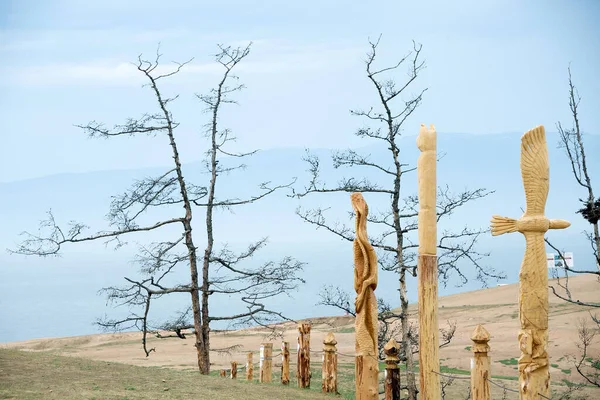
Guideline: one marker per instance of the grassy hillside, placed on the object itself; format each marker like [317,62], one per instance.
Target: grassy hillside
[34,375]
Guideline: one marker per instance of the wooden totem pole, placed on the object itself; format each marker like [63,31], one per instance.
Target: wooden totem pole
[427,266]
[534,374]
[365,283]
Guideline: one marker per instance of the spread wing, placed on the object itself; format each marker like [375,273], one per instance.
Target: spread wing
[535,170]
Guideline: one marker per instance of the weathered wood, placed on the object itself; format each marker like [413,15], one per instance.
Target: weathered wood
[392,372]
[329,368]
[285,363]
[303,364]
[234,370]
[366,324]
[429,363]
[266,362]
[428,328]
[223,373]
[249,367]
[480,365]
[534,372]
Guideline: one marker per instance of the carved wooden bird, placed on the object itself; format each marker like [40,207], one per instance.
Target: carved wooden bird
[534,374]
[535,173]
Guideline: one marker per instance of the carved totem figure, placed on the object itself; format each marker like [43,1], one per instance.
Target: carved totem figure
[427,266]
[534,374]
[365,283]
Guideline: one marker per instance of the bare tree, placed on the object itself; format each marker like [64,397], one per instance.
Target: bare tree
[398,223]
[587,362]
[218,271]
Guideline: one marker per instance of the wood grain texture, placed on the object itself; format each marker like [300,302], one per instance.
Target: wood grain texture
[427,269]
[329,367]
[366,324]
[392,372]
[534,374]
[266,363]
[427,184]
[480,364]
[428,327]
[303,364]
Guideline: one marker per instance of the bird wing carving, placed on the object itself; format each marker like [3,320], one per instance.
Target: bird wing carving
[535,170]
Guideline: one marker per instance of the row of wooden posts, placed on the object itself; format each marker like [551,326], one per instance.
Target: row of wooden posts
[480,364]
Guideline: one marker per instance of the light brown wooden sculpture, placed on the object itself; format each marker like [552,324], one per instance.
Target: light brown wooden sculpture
[285,363]
[427,266]
[365,283]
[534,375]
[303,363]
[480,364]
[329,367]
[392,373]
[249,367]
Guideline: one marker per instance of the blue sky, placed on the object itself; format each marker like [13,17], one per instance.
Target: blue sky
[493,66]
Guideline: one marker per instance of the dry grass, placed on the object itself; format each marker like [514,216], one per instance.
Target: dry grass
[35,375]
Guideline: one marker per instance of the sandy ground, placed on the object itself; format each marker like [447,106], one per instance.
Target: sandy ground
[495,308]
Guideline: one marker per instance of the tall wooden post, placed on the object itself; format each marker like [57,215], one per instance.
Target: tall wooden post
[266,362]
[329,369]
[234,370]
[249,367]
[534,372]
[223,373]
[285,363]
[303,365]
[366,326]
[480,365]
[429,362]
[392,373]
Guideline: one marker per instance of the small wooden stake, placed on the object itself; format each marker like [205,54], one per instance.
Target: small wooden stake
[392,373]
[266,362]
[303,371]
[234,370]
[329,368]
[480,364]
[223,373]
[249,367]
[285,363]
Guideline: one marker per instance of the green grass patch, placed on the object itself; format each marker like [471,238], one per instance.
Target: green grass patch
[512,361]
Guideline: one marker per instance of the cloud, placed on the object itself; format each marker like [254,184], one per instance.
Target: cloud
[266,59]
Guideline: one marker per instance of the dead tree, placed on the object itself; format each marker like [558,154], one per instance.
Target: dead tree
[398,223]
[587,362]
[217,271]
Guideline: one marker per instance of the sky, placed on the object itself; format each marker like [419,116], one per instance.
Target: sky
[492,67]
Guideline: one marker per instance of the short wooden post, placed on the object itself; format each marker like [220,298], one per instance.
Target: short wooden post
[266,362]
[285,363]
[392,373]
[223,373]
[234,370]
[249,367]
[480,364]
[303,371]
[329,369]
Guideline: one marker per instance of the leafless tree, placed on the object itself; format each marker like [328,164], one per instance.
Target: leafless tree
[216,271]
[587,363]
[395,246]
